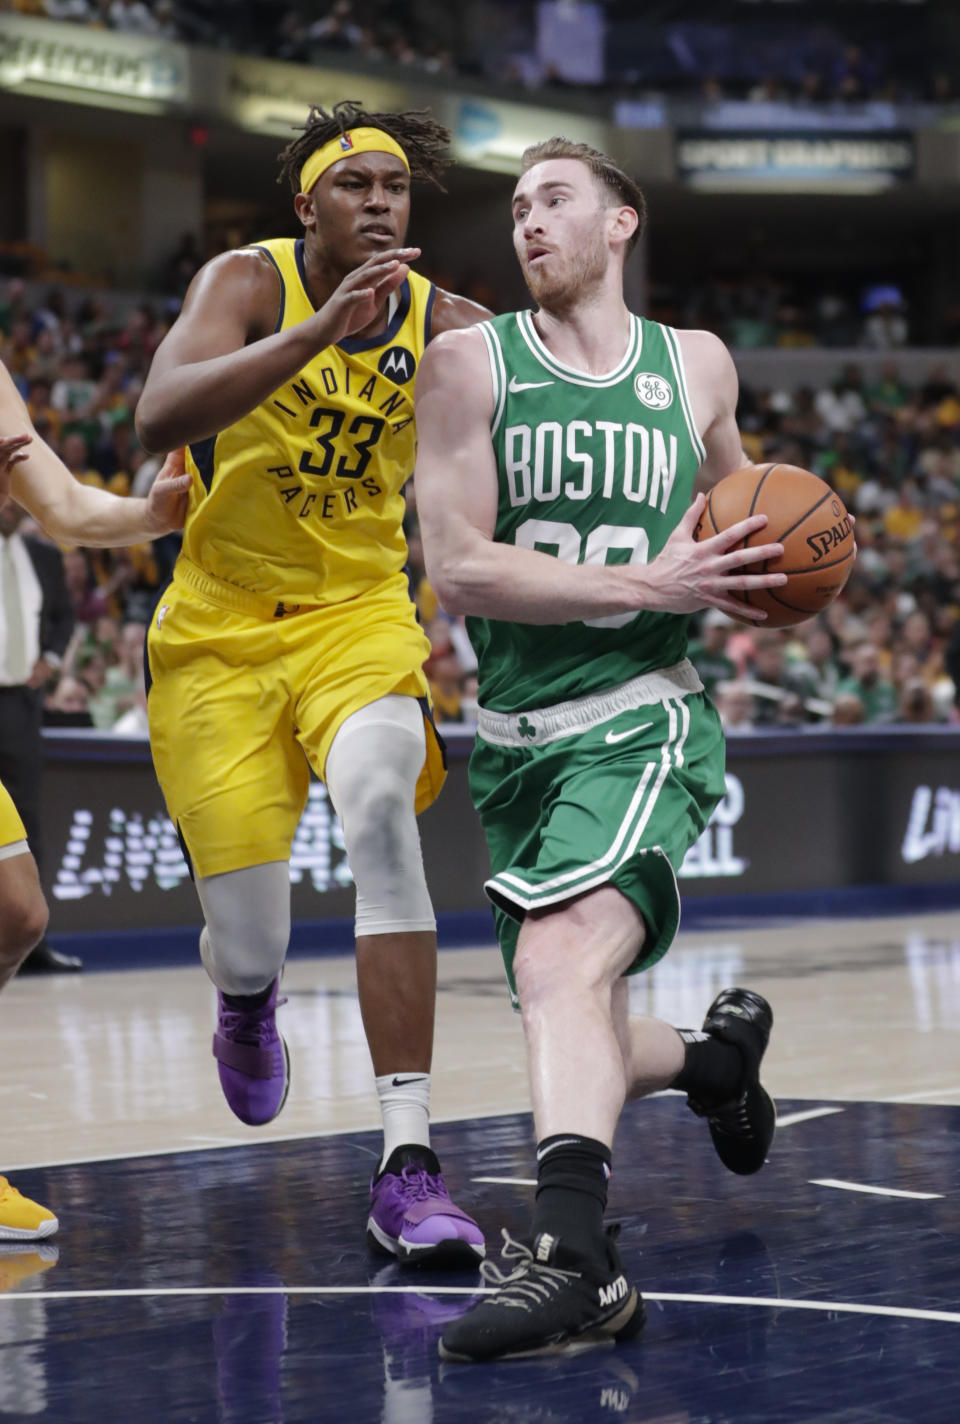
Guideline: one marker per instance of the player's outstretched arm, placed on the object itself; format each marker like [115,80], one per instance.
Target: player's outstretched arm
[222,357]
[457,492]
[69,511]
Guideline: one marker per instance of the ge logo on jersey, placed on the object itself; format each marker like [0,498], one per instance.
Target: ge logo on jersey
[397,363]
[653,390]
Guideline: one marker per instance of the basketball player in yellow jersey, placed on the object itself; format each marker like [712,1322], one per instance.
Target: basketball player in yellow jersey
[67,510]
[287,638]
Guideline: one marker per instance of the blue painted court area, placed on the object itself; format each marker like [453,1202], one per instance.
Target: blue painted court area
[234,1286]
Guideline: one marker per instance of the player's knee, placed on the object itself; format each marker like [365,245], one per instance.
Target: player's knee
[247,914]
[539,972]
[25,919]
[555,960]
[379,823]
[244,959]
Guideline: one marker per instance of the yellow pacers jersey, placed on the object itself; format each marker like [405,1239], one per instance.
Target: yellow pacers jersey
[301,499]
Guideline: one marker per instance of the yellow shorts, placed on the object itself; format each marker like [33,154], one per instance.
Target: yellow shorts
[244,694]
[11,827]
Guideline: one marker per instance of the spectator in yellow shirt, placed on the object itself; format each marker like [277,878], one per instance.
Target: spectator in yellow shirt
[904,520]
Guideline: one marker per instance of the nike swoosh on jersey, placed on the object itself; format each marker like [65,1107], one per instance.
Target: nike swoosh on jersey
[613,737]
[516,385]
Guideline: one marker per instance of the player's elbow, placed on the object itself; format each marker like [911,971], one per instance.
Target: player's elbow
[152,429]
[447,578]
[158,422]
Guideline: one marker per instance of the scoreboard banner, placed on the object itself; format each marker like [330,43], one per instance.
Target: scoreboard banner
[802,813]
[79,64]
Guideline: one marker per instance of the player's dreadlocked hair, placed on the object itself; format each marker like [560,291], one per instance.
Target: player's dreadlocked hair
[422,139]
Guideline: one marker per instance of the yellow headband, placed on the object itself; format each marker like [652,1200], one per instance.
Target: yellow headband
[353,141]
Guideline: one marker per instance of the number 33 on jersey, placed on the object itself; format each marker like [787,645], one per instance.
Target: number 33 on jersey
[301,499]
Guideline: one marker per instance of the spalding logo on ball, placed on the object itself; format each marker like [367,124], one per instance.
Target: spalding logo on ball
[804,515]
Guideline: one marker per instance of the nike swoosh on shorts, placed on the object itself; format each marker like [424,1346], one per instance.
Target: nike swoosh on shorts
[613,737]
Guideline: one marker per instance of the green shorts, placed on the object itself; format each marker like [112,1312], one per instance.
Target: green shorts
[609,789]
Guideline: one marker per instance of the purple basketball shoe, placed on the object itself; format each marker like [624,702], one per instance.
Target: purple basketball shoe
[252,1059]
[412,1216]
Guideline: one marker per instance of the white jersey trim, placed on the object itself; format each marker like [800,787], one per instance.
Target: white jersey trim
[676,357]
[498,374]
[570,373]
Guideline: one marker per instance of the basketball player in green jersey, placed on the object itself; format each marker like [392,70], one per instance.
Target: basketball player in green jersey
[558,455]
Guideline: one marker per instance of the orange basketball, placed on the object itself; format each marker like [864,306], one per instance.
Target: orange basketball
[806,517]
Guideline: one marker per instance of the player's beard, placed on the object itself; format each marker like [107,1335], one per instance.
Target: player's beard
[566,282]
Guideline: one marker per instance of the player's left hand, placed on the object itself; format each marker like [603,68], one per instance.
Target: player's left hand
[169,496]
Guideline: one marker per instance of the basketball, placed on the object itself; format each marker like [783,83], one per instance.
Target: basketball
[804,515]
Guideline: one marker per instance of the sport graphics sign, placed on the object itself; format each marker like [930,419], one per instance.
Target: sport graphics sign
[841,162]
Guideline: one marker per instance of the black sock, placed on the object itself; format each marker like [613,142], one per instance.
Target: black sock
[246,1002]
[712,1071]
[572,1176]
[410,1156]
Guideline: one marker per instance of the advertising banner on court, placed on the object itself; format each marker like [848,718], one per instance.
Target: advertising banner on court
[801,814]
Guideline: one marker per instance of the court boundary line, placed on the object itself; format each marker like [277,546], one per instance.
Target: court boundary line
[842,1186]
[794,1119]
[323,1133]
[897,1312]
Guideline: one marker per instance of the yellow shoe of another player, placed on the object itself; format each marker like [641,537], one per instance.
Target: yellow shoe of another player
[18,1263]
[22,1219]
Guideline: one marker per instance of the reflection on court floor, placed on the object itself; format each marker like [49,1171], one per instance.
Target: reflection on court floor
[206,1273]
[234,1285]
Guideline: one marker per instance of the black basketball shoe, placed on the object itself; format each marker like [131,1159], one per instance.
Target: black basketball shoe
[742,1129]
[553,1299]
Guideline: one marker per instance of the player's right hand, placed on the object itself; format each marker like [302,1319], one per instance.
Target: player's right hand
[360,295]
[688,575]
[169,496]
[12,453]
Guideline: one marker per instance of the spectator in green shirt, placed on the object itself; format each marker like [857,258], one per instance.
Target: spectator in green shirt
[708,652]
[877,695]
[886,393]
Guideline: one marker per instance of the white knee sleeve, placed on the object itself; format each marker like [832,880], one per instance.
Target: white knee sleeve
[372,770]
[247,930]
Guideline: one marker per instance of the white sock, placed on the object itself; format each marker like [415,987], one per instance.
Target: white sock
[405,1108]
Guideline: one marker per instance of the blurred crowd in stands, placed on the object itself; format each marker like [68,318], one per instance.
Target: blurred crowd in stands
[761,310]
[887,651]
[710,50]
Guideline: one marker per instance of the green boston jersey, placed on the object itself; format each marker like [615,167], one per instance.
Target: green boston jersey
[591,469]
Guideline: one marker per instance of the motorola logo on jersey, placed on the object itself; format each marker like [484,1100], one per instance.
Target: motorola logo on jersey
[398,363]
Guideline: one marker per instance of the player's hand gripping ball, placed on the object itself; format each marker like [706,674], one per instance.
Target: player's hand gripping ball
[804,515]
